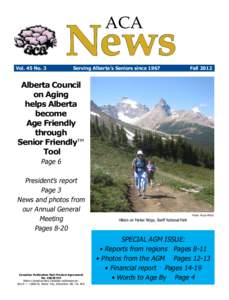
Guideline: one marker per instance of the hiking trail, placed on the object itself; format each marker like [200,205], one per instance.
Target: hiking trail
[163,198]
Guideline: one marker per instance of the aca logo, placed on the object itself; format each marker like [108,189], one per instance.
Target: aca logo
[36,40]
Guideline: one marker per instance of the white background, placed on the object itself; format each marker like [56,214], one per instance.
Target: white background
[201,38]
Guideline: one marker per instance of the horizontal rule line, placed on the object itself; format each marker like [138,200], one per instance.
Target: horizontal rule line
[113,68]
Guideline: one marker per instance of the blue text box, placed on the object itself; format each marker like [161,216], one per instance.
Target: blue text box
[153,257]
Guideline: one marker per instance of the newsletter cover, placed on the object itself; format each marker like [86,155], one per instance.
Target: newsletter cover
[114,150]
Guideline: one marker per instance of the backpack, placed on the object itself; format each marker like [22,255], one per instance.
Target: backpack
[140,165]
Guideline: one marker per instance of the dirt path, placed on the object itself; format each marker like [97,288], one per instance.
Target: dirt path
[162,198]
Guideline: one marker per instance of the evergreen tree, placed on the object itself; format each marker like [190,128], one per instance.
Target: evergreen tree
[154,145]
[113,138]
[97,127]
[166,150]
[123,136]
[180,149]
[159,146]
[136,139]
[92,128]
[104,132]
[118,134]
[173,148]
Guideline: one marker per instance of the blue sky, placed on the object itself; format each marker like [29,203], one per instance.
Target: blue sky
[179,92]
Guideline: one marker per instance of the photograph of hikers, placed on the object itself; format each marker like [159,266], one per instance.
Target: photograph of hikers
[152,144]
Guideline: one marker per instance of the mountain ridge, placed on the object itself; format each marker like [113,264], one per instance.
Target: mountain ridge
[162,113]
[161,119]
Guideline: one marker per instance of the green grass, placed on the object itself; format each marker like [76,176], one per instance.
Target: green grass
[111,176]
[199,176]
[206,194]
[175,184]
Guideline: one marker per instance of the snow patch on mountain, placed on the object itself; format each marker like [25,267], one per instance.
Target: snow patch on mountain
[130,102]
[129,134]
[126,119]
[174,114]
[95,114]
[126,110]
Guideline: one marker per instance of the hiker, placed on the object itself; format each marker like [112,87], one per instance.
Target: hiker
[150,169]
[140,175]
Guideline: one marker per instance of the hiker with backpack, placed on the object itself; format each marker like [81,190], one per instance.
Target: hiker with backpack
[140,175]
[150,169]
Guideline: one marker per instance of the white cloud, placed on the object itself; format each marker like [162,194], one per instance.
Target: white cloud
[196,109]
